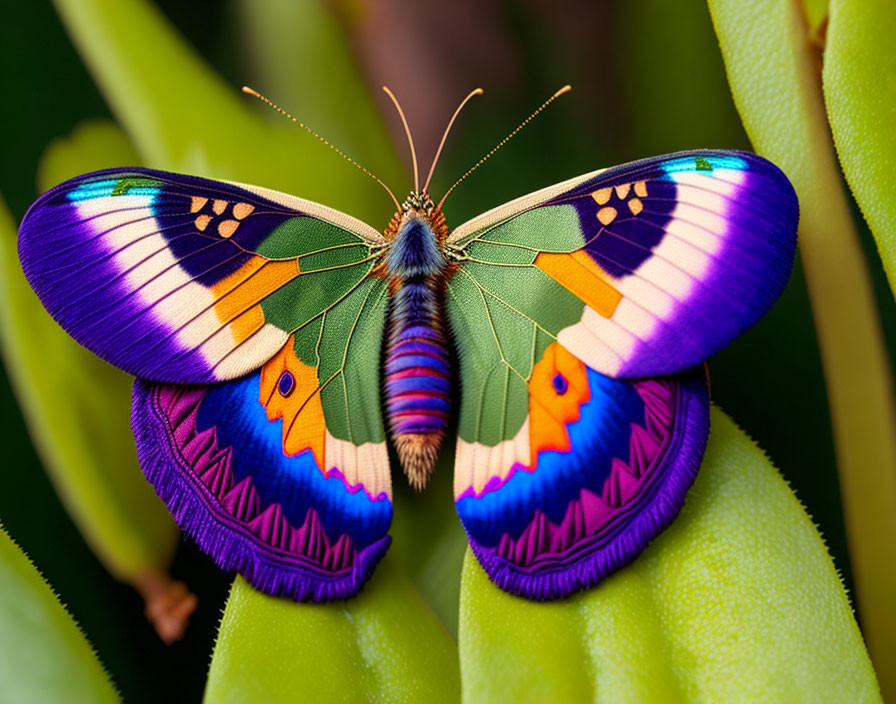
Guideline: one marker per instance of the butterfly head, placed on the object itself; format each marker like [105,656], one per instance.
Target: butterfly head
[419,203]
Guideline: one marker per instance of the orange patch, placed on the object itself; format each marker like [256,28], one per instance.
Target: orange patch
[227,228]
[578,273]
[606,215]
[602,196]
[247,286]
[641,189]
[219,206]
[242,210]
[196,203]
[247,324]
[303,416]
[550,411]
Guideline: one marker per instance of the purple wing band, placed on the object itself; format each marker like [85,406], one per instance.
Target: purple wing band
[580,515]
[699,244]
[127,262]
[218,466]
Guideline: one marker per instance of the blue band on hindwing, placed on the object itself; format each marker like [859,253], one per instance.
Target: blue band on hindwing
[601,433]
[296,482]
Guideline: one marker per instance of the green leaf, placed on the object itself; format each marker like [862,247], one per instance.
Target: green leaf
[78,412]
[183,117]
[287,43]
[731,603]
[859,80]
[428,541]
[773,72]
[44,657]
[92,145]
[384,645]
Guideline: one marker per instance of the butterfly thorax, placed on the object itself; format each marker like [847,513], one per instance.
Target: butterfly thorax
[418,372]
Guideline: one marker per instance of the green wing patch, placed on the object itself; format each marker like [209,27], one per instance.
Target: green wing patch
[497,346]
[349,349]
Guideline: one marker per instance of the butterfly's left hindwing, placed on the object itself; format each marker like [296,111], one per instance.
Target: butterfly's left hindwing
[283,474]
[579,313]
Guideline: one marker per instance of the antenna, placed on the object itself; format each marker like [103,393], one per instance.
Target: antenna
[435,159]
[256,94]
[564,89]
[407,131]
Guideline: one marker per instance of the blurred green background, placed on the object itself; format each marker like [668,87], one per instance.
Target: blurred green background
[647,78]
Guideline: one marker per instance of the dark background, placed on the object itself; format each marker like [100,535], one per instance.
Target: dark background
[647,79]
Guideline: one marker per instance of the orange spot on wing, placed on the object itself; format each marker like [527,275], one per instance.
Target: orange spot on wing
[622,191]
[196,203]
[641,189]
[202,222]
[606,215]
[227,228]
[242,210]
[246,287]
[578,273]
[602,196]
[247,324]
[304,426]
[550,411]
[219,206]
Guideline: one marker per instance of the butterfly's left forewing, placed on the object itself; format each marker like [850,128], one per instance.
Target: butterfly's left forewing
[280,470]
[184,279]
[569,460]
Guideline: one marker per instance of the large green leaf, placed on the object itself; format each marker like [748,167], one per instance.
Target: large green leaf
[43,655]
[737,601]
[859,80]
[385,645]
[183,117]
[78,412]
[773,72]
[287,43]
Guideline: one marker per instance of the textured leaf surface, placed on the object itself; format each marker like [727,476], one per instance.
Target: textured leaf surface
[83,436]
[43,655]
[183,117]
[385,645]
[731,603]
[91,146]
[773,72]
[286,44]
[859,82]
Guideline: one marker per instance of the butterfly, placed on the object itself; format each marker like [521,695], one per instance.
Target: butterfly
[279,346]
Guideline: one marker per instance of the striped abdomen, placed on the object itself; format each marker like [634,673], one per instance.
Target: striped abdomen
[418,376]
